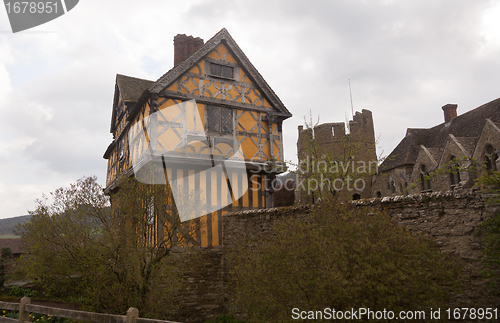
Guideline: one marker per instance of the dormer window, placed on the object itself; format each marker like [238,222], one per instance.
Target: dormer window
[220,70]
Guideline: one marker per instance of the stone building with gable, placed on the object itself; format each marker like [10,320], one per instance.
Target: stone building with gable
[454,144]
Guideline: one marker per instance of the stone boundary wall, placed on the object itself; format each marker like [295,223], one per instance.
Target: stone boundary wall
[451,218]
[201,297]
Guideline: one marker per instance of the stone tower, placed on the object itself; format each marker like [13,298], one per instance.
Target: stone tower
[335,161]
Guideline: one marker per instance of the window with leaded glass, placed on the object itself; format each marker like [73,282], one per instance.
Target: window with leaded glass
[219,120]
[221,70]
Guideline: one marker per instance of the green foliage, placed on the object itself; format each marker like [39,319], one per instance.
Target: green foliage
[78,248]
[491,229]
[491,179]
[9,314]
[34,317]
[5,257]
[18,291]
[342,258]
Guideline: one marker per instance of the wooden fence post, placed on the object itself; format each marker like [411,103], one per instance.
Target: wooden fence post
[132,314]
[23,315]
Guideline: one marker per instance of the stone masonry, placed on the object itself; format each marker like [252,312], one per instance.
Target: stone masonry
[452,218]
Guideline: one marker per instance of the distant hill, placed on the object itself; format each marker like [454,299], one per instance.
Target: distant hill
[8,226]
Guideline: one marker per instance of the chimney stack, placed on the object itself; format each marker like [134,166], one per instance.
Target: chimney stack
[450,112]
[185,46]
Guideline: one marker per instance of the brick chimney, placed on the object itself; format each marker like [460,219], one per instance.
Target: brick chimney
[450,112]
[185,46]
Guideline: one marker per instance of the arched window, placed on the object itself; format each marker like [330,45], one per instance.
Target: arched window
[424,178]
[454,171]
[490,157]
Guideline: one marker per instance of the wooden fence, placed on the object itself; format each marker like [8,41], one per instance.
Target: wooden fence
[25,308]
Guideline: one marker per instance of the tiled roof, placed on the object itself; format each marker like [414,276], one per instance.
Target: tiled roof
[436,153]
[132,88]
[468,125]
[468,143]
[15,245]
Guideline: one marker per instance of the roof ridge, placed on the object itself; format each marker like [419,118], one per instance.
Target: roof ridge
[133,77]
[223,35]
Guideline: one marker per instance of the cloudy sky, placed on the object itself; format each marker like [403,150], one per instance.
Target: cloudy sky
[404,59]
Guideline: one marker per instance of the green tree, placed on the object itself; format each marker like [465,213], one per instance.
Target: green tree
[112,256]
[491,228]
[5,258]
[341,258]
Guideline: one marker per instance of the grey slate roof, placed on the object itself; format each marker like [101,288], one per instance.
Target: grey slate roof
[468,125]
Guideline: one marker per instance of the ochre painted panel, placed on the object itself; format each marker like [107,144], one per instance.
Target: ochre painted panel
[203,229]
[215,229]
[247,121]
[266,150]
[184,82]
[257,187]
[244,77]
[197,147]
[232,92]
[235,179]
[210,88]
[248,148]
[222,149]
[198,68]
[173,87]
[170,111]
[276,149]
[169,139]
[192,84]
[147,110]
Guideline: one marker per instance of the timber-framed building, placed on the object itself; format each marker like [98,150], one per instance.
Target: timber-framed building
[212,122]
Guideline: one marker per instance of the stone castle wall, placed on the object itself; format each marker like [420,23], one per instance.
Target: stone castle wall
[451,218]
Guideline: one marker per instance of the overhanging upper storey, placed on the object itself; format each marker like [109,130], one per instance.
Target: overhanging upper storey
[212,104]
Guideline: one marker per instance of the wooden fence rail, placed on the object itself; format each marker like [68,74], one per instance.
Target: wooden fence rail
[25,307]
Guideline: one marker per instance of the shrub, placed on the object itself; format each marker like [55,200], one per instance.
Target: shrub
[490,229]
[22,292]
[339,258]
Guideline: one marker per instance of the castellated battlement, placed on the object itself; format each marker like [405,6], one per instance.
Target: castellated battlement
[333,142]
[361,131]
[361,126]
